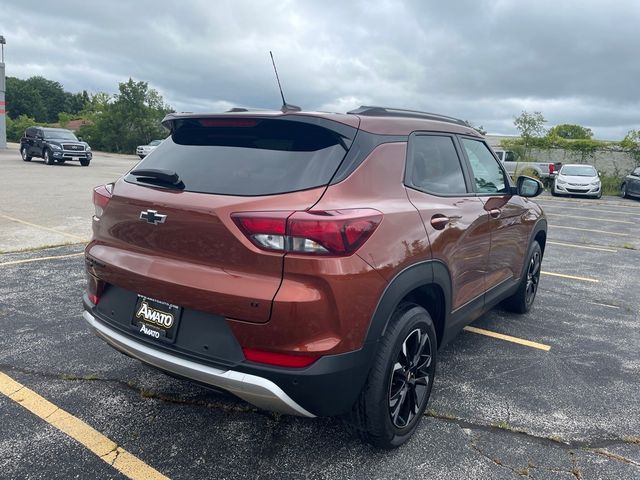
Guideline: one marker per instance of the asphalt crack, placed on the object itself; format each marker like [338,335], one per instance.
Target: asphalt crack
[504,427]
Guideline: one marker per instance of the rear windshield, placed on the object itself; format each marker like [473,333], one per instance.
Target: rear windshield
[248,157]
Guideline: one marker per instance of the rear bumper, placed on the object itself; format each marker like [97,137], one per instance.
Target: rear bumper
[259,391]
[328,387]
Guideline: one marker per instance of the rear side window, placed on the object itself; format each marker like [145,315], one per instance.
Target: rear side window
[487,173]
[249,157]
[435,166]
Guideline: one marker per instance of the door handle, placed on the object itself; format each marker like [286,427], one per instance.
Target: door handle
[495,213]
[439,221]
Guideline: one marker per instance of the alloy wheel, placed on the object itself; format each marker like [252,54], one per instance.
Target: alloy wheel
[533,277]
[410,378]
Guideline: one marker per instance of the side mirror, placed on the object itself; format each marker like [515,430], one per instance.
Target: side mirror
[80,139]
[528,187]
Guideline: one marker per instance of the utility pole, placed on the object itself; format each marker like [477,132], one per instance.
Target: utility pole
[3,103]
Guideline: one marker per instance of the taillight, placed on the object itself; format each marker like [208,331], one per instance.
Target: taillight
[93,298]
[279,359]
[101,197]
[552,168]
[333,232]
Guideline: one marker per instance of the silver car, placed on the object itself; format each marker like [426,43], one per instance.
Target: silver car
[582,180]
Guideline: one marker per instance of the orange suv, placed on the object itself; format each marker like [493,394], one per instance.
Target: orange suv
[311,263]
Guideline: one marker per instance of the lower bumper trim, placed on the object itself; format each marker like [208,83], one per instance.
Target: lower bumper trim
[256,390]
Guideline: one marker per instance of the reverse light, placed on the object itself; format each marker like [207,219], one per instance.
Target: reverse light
[101,197]
[278,359]
[332,232]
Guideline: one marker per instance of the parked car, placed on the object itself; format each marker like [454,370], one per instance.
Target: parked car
[543,171]
[54,145]
[311,263]
[144,150]
[577,179]
[631,184]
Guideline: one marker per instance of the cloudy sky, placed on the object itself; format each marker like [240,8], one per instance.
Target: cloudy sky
[484,61]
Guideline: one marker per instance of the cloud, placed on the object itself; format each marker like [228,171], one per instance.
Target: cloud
[484,61]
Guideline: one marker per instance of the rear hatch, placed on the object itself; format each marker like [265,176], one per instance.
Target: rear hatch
[170,236]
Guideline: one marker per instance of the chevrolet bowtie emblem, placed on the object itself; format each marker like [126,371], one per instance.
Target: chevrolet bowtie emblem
[153,217]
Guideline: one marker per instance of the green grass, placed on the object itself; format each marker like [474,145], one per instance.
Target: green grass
[610,184]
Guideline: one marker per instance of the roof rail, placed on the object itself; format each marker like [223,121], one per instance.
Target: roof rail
[370,111]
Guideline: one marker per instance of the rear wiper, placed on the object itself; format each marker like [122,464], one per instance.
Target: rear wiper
[158,175]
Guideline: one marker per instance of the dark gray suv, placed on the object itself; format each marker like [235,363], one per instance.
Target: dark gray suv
[631,184]
[54,145]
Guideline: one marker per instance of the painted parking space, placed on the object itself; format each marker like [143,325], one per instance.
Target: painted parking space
[486,389]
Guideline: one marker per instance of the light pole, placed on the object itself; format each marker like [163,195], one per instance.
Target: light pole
[3,103]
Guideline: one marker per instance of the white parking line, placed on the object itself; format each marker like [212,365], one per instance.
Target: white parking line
[585,247]
[605,305]
[593,231]
[591,209]
[590,218]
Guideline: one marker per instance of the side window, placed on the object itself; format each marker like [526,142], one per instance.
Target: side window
[436,167]
[30,132]
[487,174]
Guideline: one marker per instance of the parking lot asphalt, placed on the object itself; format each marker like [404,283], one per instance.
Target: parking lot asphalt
[43,205]
[499,409]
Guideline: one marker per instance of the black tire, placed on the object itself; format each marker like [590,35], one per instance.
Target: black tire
[25,157]
[522,300]
[623,191]
[85,162]
[141,156]
[46,155]
[375,417]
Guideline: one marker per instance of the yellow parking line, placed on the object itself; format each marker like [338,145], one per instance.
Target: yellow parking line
[38,259]
[590,218]
[42,227]
[572,277]
[508,338]
[586,247]
[592,231]
[107,450]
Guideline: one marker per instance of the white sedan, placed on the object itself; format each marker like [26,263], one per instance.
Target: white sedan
[144,150]
[581,180]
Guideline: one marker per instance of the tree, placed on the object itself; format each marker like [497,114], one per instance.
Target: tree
[530,126]
[23,99]
[36,97]
[631,143]
[129,118]
[571,132]
[17,126]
